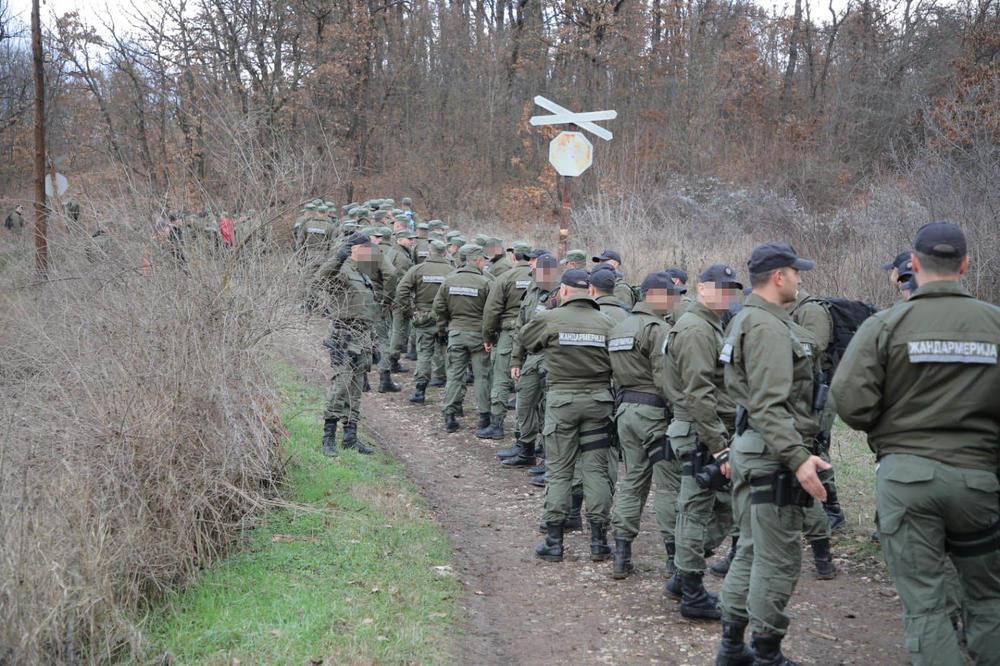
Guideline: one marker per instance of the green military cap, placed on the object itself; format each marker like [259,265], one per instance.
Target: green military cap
[575,255]
[369,231]
[423,225]
[378,215]
[362,211]
[347,207]
[470,250]
[349,227]
[405,233]
[445,226]
[407,201]
[520,247]
[493,242]
[456,240]
[317,201]
[438,245]
[397,211]
[384,231]
[434,236]
[435,224]
[480,239]
[452,234]
[391,202]
[309,206]
[322,208]
[330,204]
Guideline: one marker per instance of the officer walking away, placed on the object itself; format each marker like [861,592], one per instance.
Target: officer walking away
[15,221]
[458,308]
[602,290]
[351,342]
[703,422]
[622,291]
[635,346]
[578,410]
[921,378]
[770,367]
[415,299]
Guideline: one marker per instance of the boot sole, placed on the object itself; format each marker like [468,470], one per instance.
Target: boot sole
[600,558]
[620,575]
[511,465]
[550,558]
[416,402]
[699,615]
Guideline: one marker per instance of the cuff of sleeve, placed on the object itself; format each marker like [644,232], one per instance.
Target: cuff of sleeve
[795,456]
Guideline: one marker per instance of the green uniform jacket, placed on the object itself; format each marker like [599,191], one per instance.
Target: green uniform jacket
[382,274]
[635,345]
[695,377]
[535,300]
[421,250]
[504,301]
[353,296]
[623,292]
[315,234]
[574,338]
[399,257]
[14,220]
[683,305]
[922,378]
[418,287]
[459,303]
[810,314]
[497,267]
[614,308]
[770,368]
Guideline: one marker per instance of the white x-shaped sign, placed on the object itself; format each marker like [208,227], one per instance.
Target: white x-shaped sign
[564,116]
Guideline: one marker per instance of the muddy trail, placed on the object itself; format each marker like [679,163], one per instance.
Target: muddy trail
[521,610]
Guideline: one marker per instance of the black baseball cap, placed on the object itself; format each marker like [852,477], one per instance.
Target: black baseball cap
[901,260]
[677,273]
[771,256]
[357,238]
[546,260]
[904,275]
[537,252]
[607,254]
[722,275]
[576,277]
[941,239]
[661,280]
[603,279]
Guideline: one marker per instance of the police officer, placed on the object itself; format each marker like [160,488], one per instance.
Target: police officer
[351,342]
[401,260]
[703,420]
[499,320]
[770,368]
[921,378]
[635,345]
[575,259]
[498,261]
[458,308]
[578,410]
[421,244]
[384,277]
[415,298]
[15,220]
[602,289]
[529,370]
[622,291]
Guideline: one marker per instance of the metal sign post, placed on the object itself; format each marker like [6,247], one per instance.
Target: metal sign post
[570,153]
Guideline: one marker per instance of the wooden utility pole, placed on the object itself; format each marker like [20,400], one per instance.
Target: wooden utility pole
[41,212]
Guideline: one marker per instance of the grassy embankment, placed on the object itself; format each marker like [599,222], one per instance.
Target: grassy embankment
[360,575]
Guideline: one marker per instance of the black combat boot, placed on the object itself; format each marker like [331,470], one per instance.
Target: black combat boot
[674,588]
[451,423]
[732,650]
[538,481]
[599,548]
[484,422]
[622,565]
[551,549]
[351,440]
[825,568]
[671,552]
[833,511]
[721,568]
[385,383]
[459,410]
[526,458]
[437,382]
[493,429]
[365,386]
[767,651]
[396,367]
[539,468]
[330,438]
[573,521]
[470,378]
[696,602]
[419,393]
[511,451]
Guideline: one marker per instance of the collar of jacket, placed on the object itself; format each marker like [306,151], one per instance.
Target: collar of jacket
[708,314]
[469,268]
[580,301]
[756,301]
[941,288]
[436,260]
[610,299]
[642,307]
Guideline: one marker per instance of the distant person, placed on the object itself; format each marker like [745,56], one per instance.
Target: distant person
[15,221]
[228,230]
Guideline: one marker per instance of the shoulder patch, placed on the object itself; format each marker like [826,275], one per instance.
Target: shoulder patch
[621,344]
[315,230]
[952,351]
[463,291]
[423,254]
[570,339]
[433,279]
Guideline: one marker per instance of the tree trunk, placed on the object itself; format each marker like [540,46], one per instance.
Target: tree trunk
[41,213]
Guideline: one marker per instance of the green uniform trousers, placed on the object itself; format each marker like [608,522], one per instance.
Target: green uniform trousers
[344,398]
[928,513]
[768,559]
[704,517]
[502,383]
[640,428]
[530,399]
[383,329]
[465,347]
[577,426]
[430,354]
[400,334]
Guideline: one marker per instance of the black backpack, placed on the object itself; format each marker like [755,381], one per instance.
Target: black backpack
[846,316]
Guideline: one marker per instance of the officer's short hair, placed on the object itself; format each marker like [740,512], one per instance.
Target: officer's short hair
[760,279]
[939,265]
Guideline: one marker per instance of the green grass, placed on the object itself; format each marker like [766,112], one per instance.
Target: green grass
[854,465]
[352,581]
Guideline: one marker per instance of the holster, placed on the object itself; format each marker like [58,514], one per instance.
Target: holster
[661,451]
[700,457]
[742,419]
[780,489]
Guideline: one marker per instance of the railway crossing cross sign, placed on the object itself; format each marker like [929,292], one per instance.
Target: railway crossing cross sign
[570,153]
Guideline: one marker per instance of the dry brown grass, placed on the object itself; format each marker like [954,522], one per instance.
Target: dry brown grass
[139,432]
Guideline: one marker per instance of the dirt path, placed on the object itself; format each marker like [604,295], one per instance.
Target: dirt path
[524,611]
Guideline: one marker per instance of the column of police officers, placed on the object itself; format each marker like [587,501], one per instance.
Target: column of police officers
[719,398]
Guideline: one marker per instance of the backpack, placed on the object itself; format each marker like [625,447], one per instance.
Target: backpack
[846,317]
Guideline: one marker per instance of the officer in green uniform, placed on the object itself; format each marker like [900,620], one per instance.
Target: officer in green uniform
[921,378]
[316,237]
[575,259]
[384,277]
[703,421]
[636,349]
[498,263]
[400,257]
[680,278]
[421,244]
[351,342]
[602,288]
[415,298]
[771,363]
[499,320]
[622,291]
[14,221]
[458,308]
[578,411]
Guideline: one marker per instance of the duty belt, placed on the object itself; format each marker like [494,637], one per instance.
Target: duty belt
[640,398]
[973,544]
[781,489]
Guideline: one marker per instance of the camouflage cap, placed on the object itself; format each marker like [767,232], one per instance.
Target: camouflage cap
[480,239]
[576,255]
[520,247]
[407,201]
[470,251]
[438,245]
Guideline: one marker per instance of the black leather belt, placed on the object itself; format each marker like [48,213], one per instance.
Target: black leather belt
[640,398]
